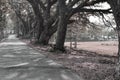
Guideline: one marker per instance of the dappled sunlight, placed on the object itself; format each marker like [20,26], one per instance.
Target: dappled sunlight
[73,56]
[25,63]
[11,75]
[20,64]
[9,55]
[12,37]
[51,62]
[59,39]
[65,77]
[12,43]
[38,59]
[38,73]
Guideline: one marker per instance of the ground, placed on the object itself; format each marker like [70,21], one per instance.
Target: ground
[21,62]
[100,47]
[90,64]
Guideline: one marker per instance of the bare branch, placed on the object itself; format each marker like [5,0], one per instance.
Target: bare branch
[93,10]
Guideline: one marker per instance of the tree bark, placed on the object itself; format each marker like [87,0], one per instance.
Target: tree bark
[44,38]
[115,5]
[62,26]
[39,18]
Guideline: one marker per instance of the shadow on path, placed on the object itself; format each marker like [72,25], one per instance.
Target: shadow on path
[20,62]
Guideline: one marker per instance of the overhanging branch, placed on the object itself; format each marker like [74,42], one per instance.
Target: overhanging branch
[90,3]
[106,11]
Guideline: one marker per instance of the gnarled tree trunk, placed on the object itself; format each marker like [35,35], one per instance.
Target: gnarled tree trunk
[62,26]
[115,5]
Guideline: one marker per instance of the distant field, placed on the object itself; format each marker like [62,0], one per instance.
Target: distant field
[102,47]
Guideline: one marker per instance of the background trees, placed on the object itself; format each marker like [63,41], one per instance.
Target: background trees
[42,18]
[3,11]
[24,15]
[115,5]
[48,13]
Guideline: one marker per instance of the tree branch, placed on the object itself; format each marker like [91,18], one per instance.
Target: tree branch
[71,4]
[90,3]
[41,4]
[53,2]
[93,10]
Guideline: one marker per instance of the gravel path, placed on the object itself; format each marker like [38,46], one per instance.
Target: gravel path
[20,62]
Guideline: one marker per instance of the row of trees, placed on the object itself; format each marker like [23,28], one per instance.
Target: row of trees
[45,17]
[2,19]
[42,18]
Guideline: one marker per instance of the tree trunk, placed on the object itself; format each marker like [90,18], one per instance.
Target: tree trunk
[118,64]
[115,5]
[75,43]
[39,29]
[39,18]
[70,39]
[44,38]
[62,26]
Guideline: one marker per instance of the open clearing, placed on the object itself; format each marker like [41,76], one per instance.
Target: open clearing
[100,47]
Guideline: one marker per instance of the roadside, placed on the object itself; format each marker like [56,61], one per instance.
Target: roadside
[89,65]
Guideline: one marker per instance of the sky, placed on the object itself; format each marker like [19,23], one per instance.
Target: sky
[108,17]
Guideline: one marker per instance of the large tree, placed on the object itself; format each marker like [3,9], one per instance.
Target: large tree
[67,10]
[54,15]
[46,17]
[115,5]
[47,14]
[62,25]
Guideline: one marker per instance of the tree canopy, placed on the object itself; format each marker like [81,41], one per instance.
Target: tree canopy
[41,19]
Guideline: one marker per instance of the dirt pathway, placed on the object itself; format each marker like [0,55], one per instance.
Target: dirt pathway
[20,62]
